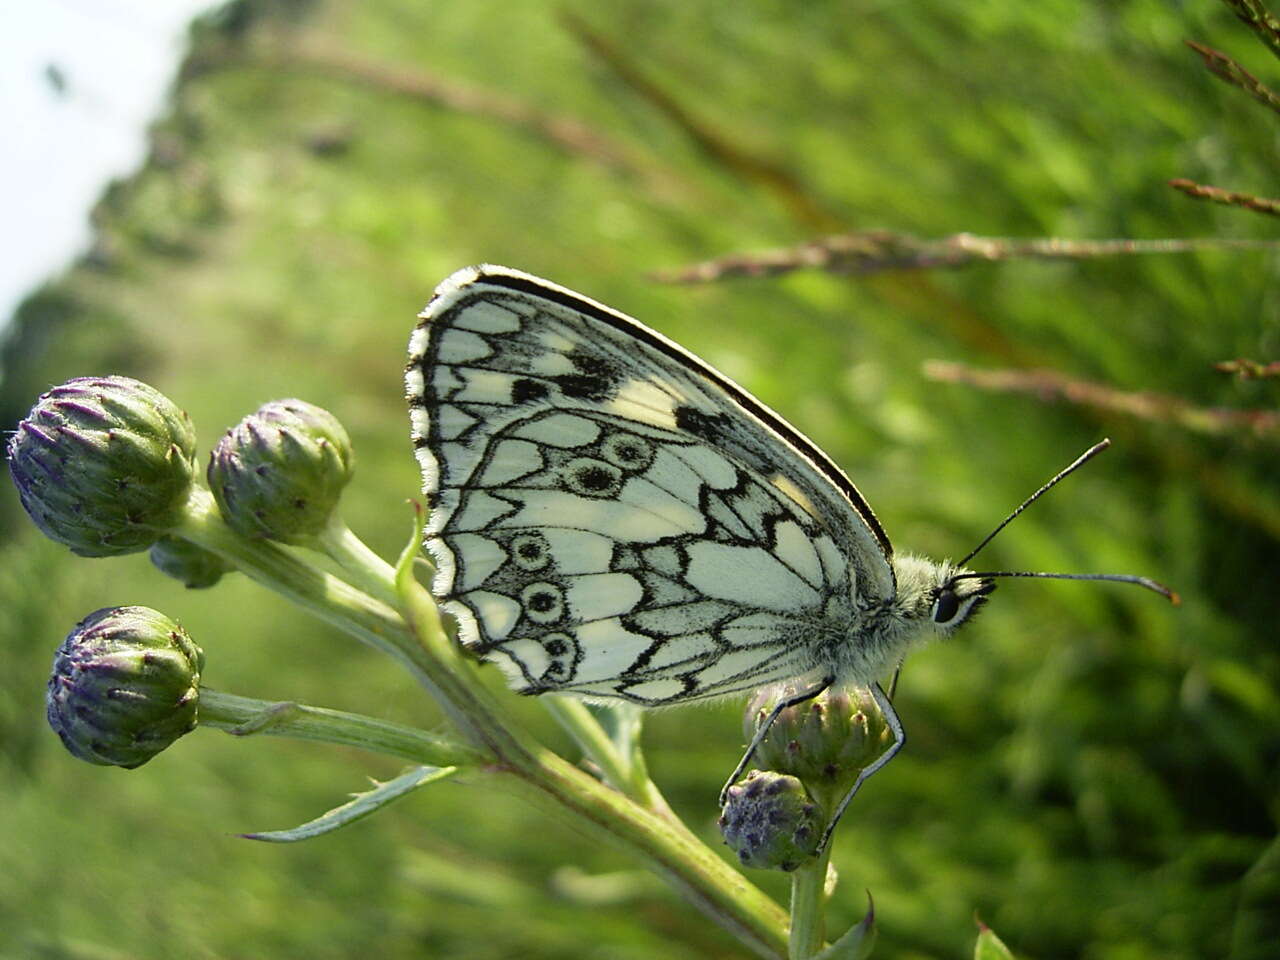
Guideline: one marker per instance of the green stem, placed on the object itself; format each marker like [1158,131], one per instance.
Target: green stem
[336,602]
[577,721]
[368,570]
[244,716]
[330,598]
[626,773]
[646,791]
[808,908]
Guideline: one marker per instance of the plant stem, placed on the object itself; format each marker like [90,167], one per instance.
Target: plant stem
[647,792]
[322,594]
[669,850]
[373,574]
[808,908]
[244,716]
[621,772]
[577,721]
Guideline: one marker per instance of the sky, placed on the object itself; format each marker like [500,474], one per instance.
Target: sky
[79,82]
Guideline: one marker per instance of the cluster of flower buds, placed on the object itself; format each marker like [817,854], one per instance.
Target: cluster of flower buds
[107,466]
[808,760]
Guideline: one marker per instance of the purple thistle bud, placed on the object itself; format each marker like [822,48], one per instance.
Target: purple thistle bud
[103,464]
[825,742]
[769,821]
[125,685]
[279,472]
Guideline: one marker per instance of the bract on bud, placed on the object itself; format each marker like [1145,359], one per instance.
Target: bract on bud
[125,685]
[769,821]
[279,472]
[825,741]
[103,464]
[194,566]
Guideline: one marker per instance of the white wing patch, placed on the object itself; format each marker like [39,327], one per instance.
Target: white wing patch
[612,518]
[748,575]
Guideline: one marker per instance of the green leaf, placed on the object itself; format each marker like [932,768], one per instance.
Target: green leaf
[412,554]
[857,942]
[989,946]
[359,807]
[623,722]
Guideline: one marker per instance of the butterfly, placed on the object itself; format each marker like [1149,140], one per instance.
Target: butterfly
[613,518]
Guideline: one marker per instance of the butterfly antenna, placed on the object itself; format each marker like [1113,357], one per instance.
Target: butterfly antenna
[1071,468]
[1146,582]
[1075,465]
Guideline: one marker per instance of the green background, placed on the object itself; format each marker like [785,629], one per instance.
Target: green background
[1088,770]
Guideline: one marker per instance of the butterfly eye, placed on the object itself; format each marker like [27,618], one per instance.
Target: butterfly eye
[945,606]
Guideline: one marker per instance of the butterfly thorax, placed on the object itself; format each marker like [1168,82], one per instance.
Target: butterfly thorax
[929,602]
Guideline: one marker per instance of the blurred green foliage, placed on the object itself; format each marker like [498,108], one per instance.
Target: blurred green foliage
[1090,770]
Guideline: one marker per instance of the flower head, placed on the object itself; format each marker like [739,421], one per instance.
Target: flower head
[279,472]
[103,464]
[125,685]
[769,821]
[825,742]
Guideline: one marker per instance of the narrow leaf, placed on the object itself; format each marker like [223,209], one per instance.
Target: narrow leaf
[989,946]
[857,942]
[359,807]
[412,554]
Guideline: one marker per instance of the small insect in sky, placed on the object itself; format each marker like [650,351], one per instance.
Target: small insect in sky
[613,518]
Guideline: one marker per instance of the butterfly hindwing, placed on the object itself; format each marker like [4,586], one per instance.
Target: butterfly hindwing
[611,517]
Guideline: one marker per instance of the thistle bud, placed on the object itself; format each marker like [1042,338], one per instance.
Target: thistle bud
[103,464]
[825,742]
[769,821]
[125,685]
[194,566]
[279,472]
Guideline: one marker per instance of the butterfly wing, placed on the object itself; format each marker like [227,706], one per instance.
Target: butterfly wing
[611,516]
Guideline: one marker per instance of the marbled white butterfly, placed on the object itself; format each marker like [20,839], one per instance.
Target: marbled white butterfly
[613,518]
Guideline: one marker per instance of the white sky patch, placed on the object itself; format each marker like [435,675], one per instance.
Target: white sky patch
[114,60]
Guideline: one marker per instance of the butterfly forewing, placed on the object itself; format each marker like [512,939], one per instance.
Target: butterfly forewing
[610,516]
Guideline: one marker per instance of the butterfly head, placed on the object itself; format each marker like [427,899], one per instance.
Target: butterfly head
[938,595]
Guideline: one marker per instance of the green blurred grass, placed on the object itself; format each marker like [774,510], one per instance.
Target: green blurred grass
[1087,769]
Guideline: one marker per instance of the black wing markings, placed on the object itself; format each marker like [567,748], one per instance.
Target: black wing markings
[820,461]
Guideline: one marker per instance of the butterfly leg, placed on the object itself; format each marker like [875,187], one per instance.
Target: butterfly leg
[899,738]
[893,683]
[763,730]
